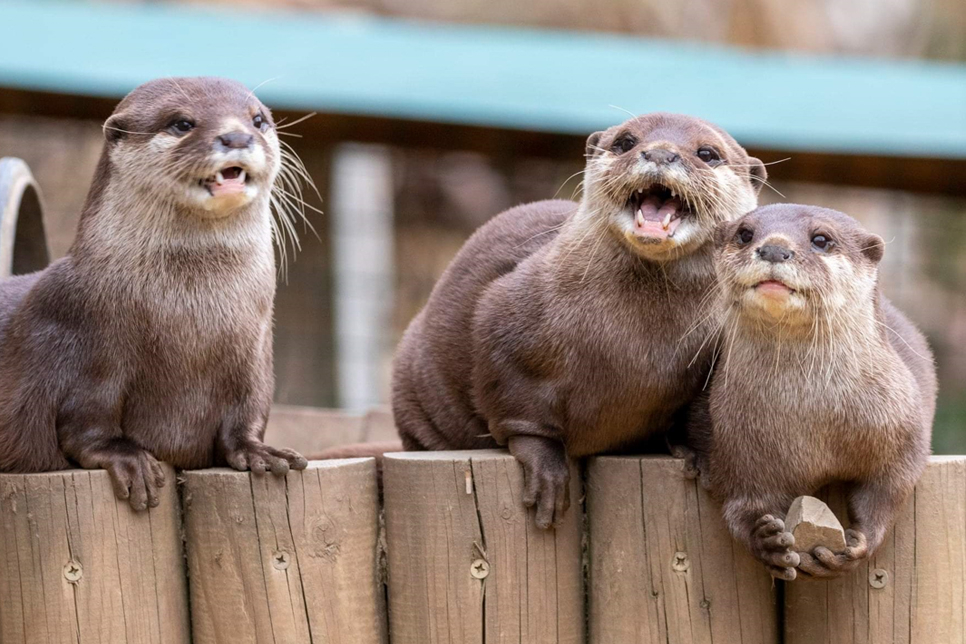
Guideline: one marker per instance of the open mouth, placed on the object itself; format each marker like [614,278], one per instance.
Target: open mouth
[227,181]
[658,210]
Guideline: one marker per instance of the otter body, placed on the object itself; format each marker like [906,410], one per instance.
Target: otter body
[819,380]
[152,338]
[561,329]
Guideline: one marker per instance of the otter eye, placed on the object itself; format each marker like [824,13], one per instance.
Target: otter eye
[822,242]
[259,121]
[744,236]
[624,143]
[708,154]
[181,125]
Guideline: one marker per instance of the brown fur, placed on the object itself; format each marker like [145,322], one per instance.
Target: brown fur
[557,332]
[831,384]
[152,338]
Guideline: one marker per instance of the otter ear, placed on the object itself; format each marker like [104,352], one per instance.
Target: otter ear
[757,173]
[115,128]
[591,149]
[873,247]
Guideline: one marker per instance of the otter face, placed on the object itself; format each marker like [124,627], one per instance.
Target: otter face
[797,265]
[205,145]
[664,181]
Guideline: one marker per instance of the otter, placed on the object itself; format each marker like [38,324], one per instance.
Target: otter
[561,329]
[152,338]
[818,379]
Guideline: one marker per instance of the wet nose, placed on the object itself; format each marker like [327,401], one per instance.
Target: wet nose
[660,156]
[775,254]
[235,141]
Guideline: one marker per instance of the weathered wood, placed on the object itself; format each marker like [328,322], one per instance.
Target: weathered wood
[912,591]
[80,566]
[663,567]
[466,561]
[813,524]
[292,559]
[310,430]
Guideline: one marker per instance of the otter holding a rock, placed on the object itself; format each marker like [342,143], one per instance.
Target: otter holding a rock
[152,339]
[818,379]
[562,330]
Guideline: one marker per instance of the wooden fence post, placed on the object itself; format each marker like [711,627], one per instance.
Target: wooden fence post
[466,561]
[292,559]
[80,566]
[912,591]
[663,567]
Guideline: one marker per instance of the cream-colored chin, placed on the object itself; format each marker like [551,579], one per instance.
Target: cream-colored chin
[224,205]
[787,307]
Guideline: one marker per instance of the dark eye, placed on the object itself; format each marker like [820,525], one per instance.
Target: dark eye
[708,154]
[822,242]
[259,121]
[744,236]
[181,125]
[624,144]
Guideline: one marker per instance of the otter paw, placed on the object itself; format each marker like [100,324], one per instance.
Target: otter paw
[822,563]
[137,476]
[546,474]
[772,544]
[260,458]
[692,464]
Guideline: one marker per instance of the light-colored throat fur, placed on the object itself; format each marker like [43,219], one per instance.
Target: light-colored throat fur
[818,374]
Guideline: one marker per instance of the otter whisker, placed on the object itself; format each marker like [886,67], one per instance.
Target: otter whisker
[296,121]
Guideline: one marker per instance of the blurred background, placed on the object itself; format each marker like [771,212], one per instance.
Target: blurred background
[434,115]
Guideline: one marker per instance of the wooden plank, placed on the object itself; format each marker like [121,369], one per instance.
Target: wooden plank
[291,559]
[466,561]
[663,567]
[923,597]
[80,566]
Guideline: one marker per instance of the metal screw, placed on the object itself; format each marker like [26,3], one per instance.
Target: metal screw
[878,578]
[73,571]
[680,563]
[705,604]
[280,560]
[479,569]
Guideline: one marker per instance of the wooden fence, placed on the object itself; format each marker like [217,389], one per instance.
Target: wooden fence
[643,556]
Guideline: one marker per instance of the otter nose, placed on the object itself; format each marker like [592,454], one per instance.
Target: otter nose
[235,140]
[775,254]
[660,156]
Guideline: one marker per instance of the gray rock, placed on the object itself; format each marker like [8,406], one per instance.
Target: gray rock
[813,524]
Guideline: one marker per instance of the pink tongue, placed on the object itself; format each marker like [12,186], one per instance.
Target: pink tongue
[655,209]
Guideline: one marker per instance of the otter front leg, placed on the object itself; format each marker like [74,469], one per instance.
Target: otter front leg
[872,511]
[546,472]
[240,443]
[89,433]
[761,527]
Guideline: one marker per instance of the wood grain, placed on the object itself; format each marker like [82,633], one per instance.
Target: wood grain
[663,567]
[448,512]
[78,565]
[291,559]
[923,599]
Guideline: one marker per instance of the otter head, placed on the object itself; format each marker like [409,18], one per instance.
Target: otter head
[664,181]
[203,145]
[798,266]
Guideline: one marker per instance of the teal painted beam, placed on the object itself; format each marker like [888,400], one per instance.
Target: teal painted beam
[551,81]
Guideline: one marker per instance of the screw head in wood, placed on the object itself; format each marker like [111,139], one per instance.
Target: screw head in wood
[280,560]
[73,571]
[479,569]
[878,578]
[680,562]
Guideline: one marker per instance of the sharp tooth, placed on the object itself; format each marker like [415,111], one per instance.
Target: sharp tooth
[241,176]
[640,191]
[219,178]
[640,218]
[667,221]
